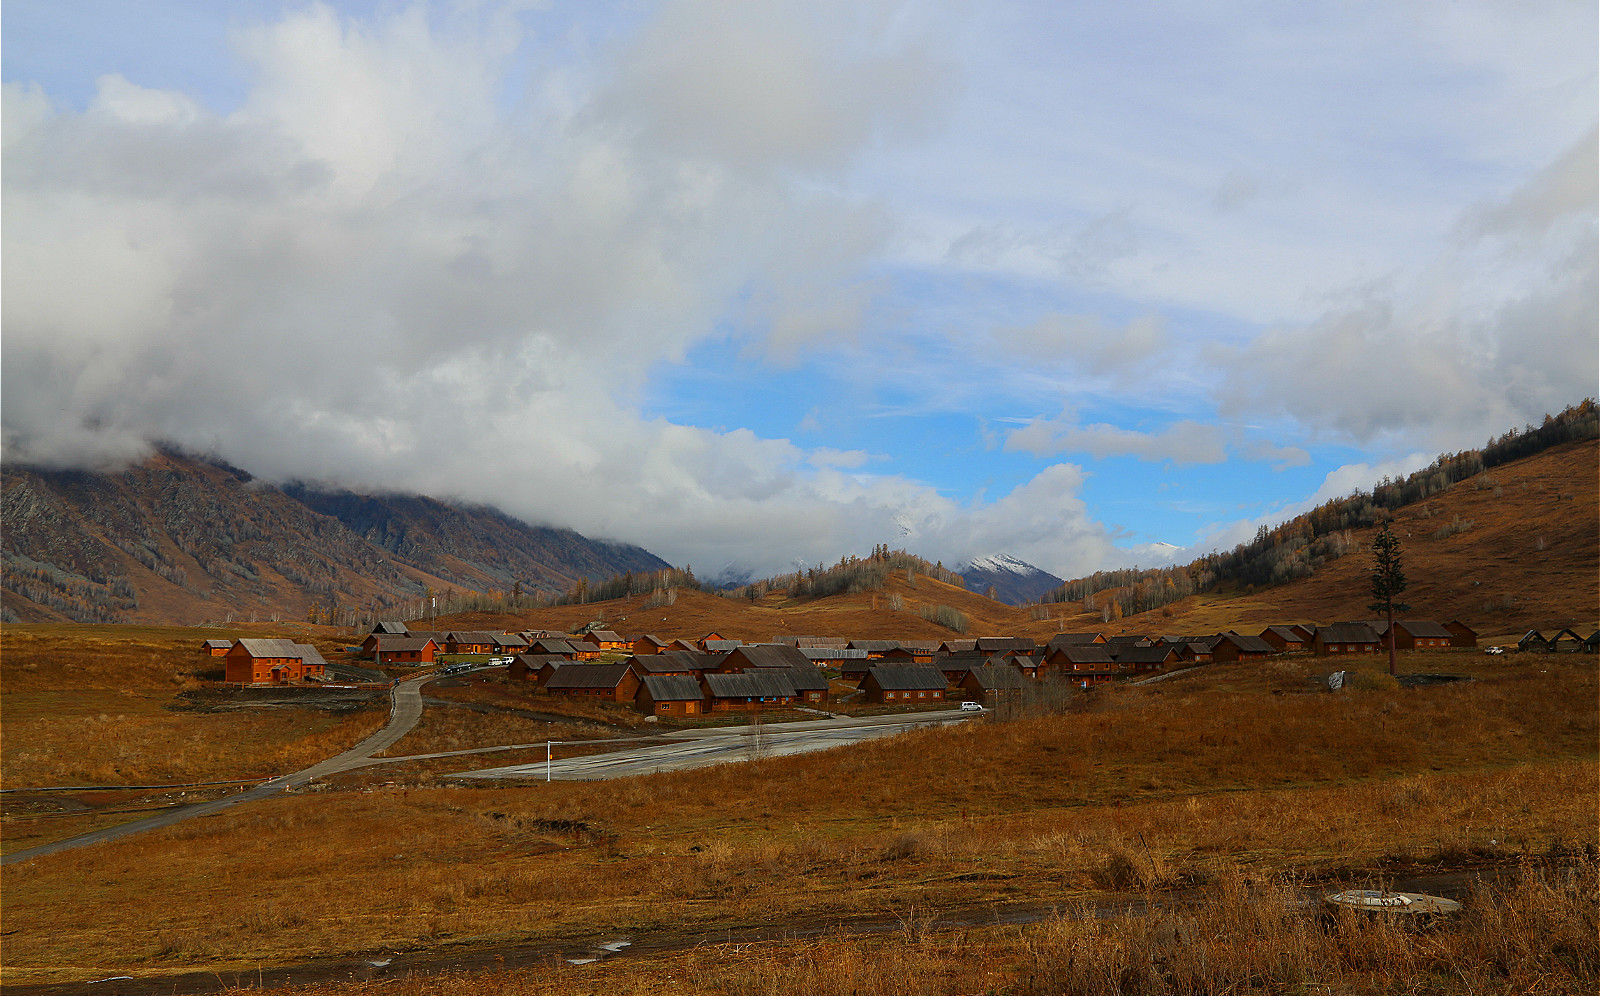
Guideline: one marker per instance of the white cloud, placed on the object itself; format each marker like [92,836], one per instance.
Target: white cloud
[1184,441]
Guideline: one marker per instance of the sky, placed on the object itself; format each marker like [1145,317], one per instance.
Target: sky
[759,284]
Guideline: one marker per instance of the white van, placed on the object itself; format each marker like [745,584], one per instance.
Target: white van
[971,707]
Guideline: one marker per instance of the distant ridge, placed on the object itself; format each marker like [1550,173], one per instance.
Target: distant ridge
[1015,582]
[180,539]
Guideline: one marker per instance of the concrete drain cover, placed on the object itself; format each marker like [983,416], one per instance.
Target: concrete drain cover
[1383,901]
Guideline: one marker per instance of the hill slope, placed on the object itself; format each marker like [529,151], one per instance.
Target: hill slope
[1015,582]
[182,540]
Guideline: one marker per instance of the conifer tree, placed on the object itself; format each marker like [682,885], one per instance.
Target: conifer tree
[1388,581]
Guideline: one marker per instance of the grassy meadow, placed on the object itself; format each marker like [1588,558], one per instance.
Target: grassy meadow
[1193,786]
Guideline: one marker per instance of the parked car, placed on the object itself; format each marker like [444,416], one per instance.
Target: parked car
[1494,650]
[971,707]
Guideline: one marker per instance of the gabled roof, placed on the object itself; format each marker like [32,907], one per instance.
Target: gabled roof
[650,638]
[1151,655]
[587,676]
[875,646]
[764,683]
[1127,640]
[1460,625]
[1347,633]
[403,644]
[606,636]
[512,640]
[908,678]
[722,646]
[995,644]
[921,646]
[832,654]
[999,677]
[1283,633]
[551,645]
[259,647]
[1073,639]
[806,679]
[1247,644]
[218,644]
[1086,653]
[818,642]
[471,636]
[1425,628]
[536,661]
[672,688]
[311,656]
[390,628]
[767,655]
[437,636]
[957,646]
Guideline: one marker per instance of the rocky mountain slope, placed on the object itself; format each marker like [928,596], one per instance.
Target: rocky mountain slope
[184,540]
[1015,582]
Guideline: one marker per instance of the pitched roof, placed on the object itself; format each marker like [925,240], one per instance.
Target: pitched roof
[1247,644]
[470,636]
[832,654]
[259,647]
[1127,639]
[403,644]
[819,642]
[1086,653]
[926,646]
[606,636]
[536,661]
[217,644]
[999,677]
[650,637]
[672,688]
[875,646]
[806,679]
[1425,628]
[1347,633]
[1149,655]
[587,676]
[768,655]
[390,628]
[310,656]
[1283,633]
[764,683]
[908,678]
[993,644]
[1071,639]
[722,646]
[551,645]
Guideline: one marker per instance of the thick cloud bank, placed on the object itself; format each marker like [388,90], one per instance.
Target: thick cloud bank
[381,270]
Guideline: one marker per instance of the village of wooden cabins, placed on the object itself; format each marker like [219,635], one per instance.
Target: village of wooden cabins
[711,674]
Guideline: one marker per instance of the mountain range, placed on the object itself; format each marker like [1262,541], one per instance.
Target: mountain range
[184,539]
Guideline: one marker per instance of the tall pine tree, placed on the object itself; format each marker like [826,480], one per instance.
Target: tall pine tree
[1388,581]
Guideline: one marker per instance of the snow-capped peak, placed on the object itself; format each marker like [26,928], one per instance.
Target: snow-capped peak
[1003,562]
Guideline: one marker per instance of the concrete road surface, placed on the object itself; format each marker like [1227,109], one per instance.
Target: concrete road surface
[404,711]
[684,749]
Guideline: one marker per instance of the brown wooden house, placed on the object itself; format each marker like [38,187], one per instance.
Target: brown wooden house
[469,642]
[1285,638]
[1139,660]
[604,639]
[1346,638]
[669,695]
[1416,634]
[1233,647]
[904,685]
[649,643]
[759,688]
[403,649]
[216,648]
[536,668]
[760,655]
[993,684]
[616,682]
[272,662]
[1461,635]
[810,685]
[1009,646]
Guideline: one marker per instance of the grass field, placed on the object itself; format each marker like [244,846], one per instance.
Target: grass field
[1238,770]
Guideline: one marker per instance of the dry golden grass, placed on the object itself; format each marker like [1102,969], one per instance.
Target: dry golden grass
[1145,787]
[90,706]
[1534,934]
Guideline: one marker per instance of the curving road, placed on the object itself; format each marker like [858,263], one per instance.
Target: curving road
[404,710]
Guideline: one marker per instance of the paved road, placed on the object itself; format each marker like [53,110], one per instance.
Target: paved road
[684,749]
[404,711]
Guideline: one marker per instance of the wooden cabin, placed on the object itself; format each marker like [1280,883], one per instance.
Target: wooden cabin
[616,682]
[1233,647]
[1346,638]
[403,649]
[810,684]
[1139,660]
[469,642]
[904,685]
[1417,634]
[1009,646]
[1284,639]
[604,639]
[1074,639]
[216,648]
[759,688]
[272,662]
[744,658]
[512,643]
[536,668]
[1461,635]
[649,643]
[993,684]
[669,695]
